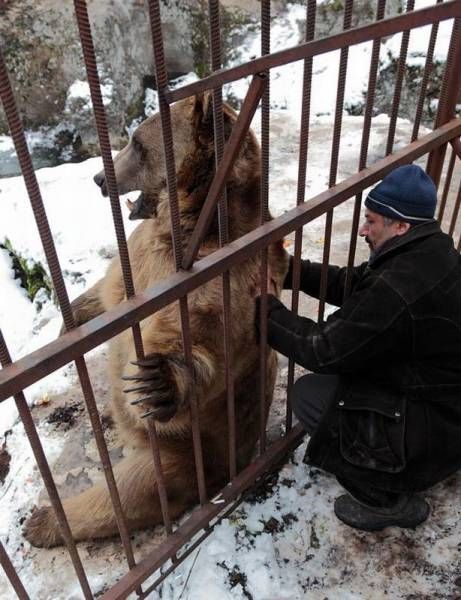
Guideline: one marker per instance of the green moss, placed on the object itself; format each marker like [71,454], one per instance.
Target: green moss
[31,273]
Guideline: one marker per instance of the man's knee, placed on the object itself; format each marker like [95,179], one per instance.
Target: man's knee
[299,395]
[311,396]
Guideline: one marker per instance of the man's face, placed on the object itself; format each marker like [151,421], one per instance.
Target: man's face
[376,231]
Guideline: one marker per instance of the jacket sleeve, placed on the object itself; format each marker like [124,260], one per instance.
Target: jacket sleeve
[373,322]
[310,280]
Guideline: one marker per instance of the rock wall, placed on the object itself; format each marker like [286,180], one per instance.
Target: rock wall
[42,50]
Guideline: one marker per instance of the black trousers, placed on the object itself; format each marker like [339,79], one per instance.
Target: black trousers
[312,395]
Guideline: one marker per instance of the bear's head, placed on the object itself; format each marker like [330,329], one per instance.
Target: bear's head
[140,165]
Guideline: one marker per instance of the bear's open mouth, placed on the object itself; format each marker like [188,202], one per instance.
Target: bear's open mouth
[144,207]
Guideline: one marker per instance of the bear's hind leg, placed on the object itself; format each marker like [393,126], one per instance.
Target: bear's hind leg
[90,514]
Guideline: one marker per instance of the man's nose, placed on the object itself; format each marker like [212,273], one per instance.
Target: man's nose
[362,230]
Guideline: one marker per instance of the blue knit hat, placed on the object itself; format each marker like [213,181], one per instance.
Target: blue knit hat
[406,194]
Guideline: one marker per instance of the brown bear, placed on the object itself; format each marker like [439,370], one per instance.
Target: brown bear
[162,383]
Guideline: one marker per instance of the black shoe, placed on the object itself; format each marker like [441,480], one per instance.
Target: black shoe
[410,511]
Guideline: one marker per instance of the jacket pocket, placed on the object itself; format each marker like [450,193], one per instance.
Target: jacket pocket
[372,428]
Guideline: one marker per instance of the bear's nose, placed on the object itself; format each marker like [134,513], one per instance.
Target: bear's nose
[99,179]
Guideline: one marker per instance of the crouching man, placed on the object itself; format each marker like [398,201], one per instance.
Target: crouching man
[383,404]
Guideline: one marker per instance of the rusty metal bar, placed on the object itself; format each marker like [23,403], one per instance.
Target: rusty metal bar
[301,190]
[45,472]
[264,208]
[454,217]
[446,187]
[167,134]
[223,223]
[89,56]
[52,356]
[427,71]
[371,89]
[201,517]
[10,572]
[447,102]
[231,151]
[33,190]
[342,73]
[456,145]
[399,82]
[207,531]
[387,27]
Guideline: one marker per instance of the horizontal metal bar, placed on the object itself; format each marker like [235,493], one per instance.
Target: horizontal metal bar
[231,151]
[73,344]
[386,27]
[202,516]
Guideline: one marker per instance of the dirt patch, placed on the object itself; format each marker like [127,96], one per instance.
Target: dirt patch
[65,415]
[5,459]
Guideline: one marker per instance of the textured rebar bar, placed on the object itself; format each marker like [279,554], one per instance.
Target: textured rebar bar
[89,56]
[167,134]
[427,71]
[223,224]
[368,113]
[446,187]
[45,472]
[398,83]
[33,190]
[451,84]
[334,156]
[264,208]
[455,214]
[12,575]
[301,189]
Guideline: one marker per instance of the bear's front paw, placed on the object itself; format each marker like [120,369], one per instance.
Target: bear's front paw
[41,529]
[156,387]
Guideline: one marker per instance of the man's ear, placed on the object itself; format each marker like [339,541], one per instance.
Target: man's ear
[402,227]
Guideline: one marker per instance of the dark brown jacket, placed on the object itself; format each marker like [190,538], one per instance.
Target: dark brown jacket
[396,345]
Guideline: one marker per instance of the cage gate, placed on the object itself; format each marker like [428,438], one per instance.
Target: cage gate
[16,375]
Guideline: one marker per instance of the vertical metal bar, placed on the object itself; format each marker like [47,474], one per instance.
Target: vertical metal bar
[447,102]
[454,217]
[162,84]
[301,191]
[374,63]
[446,187]
[264,203]
[398,83]
[427,71]
[89,56]
[223,223]
[10,572]
[334,156]
[33,190]
[42,463]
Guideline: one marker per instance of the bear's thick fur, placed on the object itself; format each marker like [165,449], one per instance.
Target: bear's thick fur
[162,382]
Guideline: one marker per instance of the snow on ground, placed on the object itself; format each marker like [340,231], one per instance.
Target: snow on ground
[285,541]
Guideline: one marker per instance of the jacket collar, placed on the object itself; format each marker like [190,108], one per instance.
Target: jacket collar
[414,233]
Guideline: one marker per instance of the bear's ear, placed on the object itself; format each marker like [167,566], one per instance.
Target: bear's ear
[203,109]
